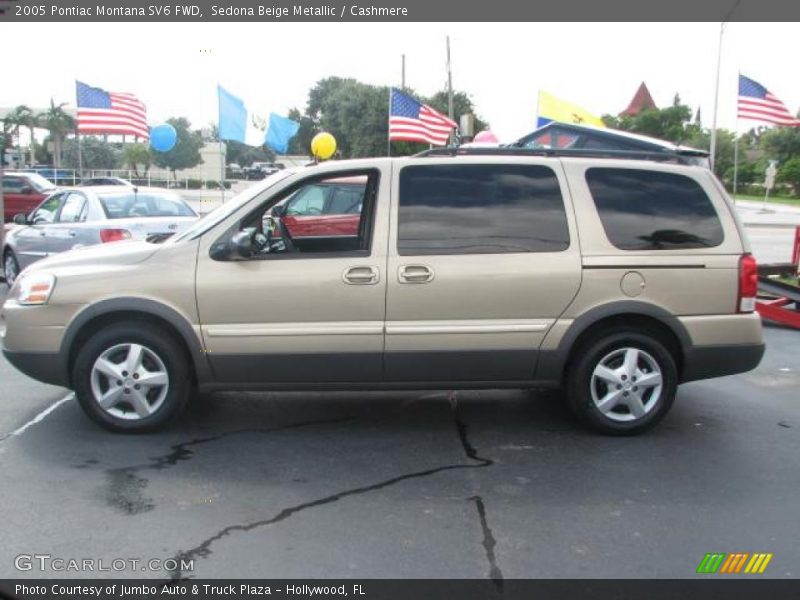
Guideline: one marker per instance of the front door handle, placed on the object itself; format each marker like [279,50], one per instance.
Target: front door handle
[361,275]
[415,274]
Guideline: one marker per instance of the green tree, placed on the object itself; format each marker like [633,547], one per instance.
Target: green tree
[135,156]
[301,142]
[244,155]
[17,118]
[186,153]
[781,143]
[96,153]
[355,113]
[673,124]
[462,105]
[789,173]
[59,123]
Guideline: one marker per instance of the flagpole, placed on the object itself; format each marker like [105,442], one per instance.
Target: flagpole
[736,156]
[388,133]
[80,157]
[713,149]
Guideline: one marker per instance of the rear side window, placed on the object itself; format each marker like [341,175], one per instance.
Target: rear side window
[480,209]
[650,210]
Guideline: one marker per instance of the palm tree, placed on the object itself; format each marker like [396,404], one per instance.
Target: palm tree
[21,116]
[56,120]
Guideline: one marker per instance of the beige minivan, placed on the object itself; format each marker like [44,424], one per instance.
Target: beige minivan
[613,278]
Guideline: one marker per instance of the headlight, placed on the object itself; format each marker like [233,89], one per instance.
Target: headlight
[34,288]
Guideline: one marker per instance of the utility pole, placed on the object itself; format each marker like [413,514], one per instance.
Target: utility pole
[403,74]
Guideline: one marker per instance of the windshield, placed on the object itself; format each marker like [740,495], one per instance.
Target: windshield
[40,183]
[129,204]
[222,212]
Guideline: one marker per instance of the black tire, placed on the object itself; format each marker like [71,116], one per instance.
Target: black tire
[610,346]
[8,255]
[163,346]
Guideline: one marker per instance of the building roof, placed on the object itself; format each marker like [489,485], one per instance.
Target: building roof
[641,100]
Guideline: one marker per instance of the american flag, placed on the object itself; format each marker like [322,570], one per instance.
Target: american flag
[105,112]
[412,121]
[758,104]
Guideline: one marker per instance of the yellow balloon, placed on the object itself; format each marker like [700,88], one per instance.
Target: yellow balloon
[323,145]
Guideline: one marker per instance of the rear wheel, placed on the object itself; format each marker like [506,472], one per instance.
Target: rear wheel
[10,266]
[622,382]
[130,377]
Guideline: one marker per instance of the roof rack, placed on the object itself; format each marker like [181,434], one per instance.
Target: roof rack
[665,156]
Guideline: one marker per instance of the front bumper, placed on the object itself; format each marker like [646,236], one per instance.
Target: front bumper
[43,366]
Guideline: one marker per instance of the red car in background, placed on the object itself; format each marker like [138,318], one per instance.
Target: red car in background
[22,192]
[330,208]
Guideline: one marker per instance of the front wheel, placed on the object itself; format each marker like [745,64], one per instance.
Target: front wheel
[622,382]
[131,377]
[10,267]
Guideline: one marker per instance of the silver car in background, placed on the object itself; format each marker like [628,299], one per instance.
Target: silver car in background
[77,217]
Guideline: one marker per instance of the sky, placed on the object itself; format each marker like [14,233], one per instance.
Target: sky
[174,68]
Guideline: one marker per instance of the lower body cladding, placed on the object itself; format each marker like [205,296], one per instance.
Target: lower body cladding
[359,354]
[479,354]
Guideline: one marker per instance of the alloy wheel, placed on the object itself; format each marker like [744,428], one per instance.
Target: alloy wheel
[626,384]
[129,381]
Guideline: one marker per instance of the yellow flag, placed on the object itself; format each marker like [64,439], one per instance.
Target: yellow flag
[556,109]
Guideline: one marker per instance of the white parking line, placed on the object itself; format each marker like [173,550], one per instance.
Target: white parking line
[40,417]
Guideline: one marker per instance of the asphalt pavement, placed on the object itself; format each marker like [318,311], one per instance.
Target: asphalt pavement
[489,484]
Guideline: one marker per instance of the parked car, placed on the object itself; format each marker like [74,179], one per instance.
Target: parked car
[103,180]
[76,217]
[22,192]
[572,136]
[260,170]
[330,208]
[616,279]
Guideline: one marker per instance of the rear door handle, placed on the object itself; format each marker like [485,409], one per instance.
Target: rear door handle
[415,274]
[361,275]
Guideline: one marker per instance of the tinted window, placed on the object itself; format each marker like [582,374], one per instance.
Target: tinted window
[480,209]
[648,210]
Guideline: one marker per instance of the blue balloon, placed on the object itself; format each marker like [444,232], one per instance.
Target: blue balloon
[163,137]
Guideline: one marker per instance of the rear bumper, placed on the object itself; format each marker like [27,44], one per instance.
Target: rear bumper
[43,366]
[704,362]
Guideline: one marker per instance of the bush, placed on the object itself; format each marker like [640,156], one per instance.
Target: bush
[193,184]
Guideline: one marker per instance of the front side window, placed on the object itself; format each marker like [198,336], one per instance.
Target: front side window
[47,210]
[300,221]
[652,210]
[480,209]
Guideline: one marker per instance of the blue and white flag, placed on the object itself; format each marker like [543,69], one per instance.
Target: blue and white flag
[240,124]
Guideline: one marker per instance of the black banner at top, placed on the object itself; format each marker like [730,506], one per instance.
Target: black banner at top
[398,10]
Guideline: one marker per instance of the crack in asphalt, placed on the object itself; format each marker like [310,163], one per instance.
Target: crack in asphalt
[489,543]
[203,550]
[125,487]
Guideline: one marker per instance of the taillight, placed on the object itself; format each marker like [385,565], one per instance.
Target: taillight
[114,235]
[748,284]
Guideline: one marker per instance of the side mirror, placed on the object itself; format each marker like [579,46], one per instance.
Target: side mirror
[27,190]
[241,244]
[20,219]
